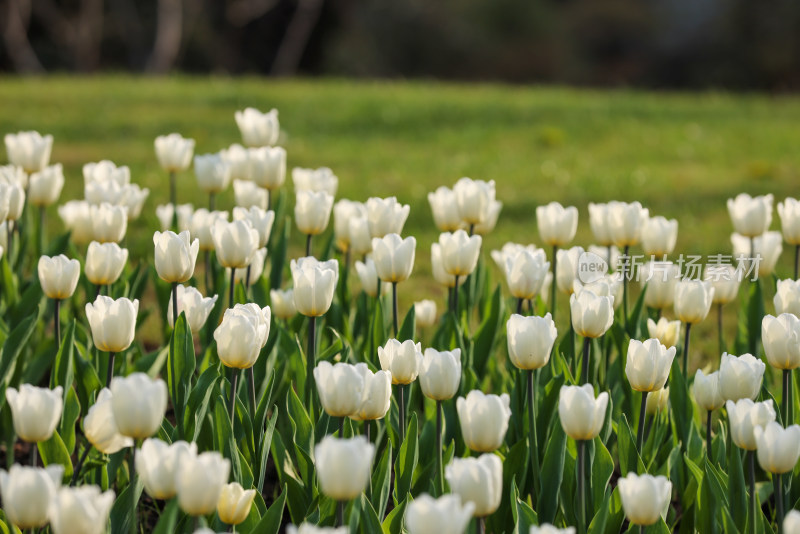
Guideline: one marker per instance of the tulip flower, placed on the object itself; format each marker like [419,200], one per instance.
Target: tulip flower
[778,451]
[530,340]
[394,259]
[159,463]
[106,171]
[557,224]
[598,222]
[657,401]
[200,225]
[312,212]
[196,307]
[58,276]
[781,338]
[109,191]
[27,493]
[359,236]
[44,187]
[100,428]
[787,297]
[525,274]
[133,199]
[343,212]
[483,419]
[266,167]
[658,279]
[647,369]
[82,510]
[104,263]
[234,503]
[592,316]
[440,275]
[444,209]
[238,159]
[763,252]
[12,195]
[665,331]
[445,515]
[659,236]
[213,175]
[109,223]
[235,244]
[76,218]
[139,403]
[478,481]
[706,390]
[174,154]
[175,256]
[343,469]
[247,195]
[440,374]
[740,377]
[113,324]
[167,212]
[789,212]
[199,480]
[376,395]
[490,221]
[29,150]
[425,313]
[403,360]
[282,303]
[321,179]
[565,269]
[459,252]
[473,200]
[645,498]
[35,413]
[340,388]
[258,128]
[751,216]
[693,300]
[386,216]
[625,222]
[791,523]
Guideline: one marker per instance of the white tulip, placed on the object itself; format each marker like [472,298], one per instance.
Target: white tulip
[787,297]
[194,305]
[707,392]
[340,388]
[766,249]
[359,236]
[659,236]
[659,278]
[778,447]
[282,303]
[158,465]
[27,493]
[321,179]
[648,364]
[444,209]
[100,428]
[15,195]
[343,466]
[547,528]
[483,419]
[525,272]
[213,173]
[567,268]
[791,523]
[789,212]
[242,334]
[645,498]
[256,267]
[234,503]
[665,331]
[312,211]
[108,191]
[368,276]
[625,222]
[343,212]
[610,254]
[582,416]
[459,252]
[557,224]
[257,128]
[609,285]
[77,219]
[376,396]
[781,338]
[657,401]
[139,403]
[437,268]
[403,360]
[693,300]
[174,153]
[113,322]
[314,284]
[35,411]
[751,216]
[386,216]
[478,481]
[440,373]
[266,167]
[104,262]
[109,223]
[106,171]
[425,313]
[166,212]
[82,510]
[725,280]
[175,256]
[58,276]
[445,515]
[309,528]
[744,416]
[530,340]
[13,175]
[490,221]
[394,257]
[592,315]
[202,221]
[474,199]
[740,377]
[248,194]
[44,186]
[200,479]
[29,150]
[238,159]
[598,221]
[234,242]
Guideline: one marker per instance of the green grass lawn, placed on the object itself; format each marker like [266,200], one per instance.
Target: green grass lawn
[681,155]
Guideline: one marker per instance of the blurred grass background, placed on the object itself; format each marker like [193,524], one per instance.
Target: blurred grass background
[681,154]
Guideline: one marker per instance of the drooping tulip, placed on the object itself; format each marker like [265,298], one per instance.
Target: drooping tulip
[394,257]
[312,211]
[234,242]
[139,403]
[483,419]
[81,510]
[343,466]
[386,216]
[100,428]
[234,503]
[158,464]
[321,179]
[200,479]
[175,256]
[665,331]
[314,284]
[174,153]
[258,128]
[706,390]
[58,276]
[659,236]
[582,415]
[645,498]
[478,481]
[444,209]
[445,515]
[35,411]
[744,416]
[440,373]
[113,322]
[27,493]
[530,340]
[740,377]
[340,388]
[751,216]
[557,224]
[29,150]
[196,307]
[648,364]
[403,360]
[104,262]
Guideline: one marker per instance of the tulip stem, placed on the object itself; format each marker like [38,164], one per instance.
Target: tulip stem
[110,374]
[439,463]
[394,308]
[641,529]
[751,479]
[587,343]
[778,483]
[341,427]
[796,259]
[787,375]
[455,297]
[232,288]
[308,245]
[450,299]
[57,322]
[269,200]
[367,428]
[686,350]
[339,513]
[581,487]
[207,270]
[247,281]
[211,199]
[172,366]
[41,229]
[554,285]
[173,197]
[79,465]
[310,361]
[709,452]
[251,380]
[719,328]
[520,302]
[640,431]
[34,454]
[625,287]
[402,406]
[134,503]
[534,441]
[481,525]
[234,385]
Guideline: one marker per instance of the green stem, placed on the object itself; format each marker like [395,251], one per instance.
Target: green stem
[686,350]
[172,365]
[709,452]
[34,454]
[231,288]
[211,198]
[57,322]
[341,427]
[79,465]
[787,376]
[339,513]
[251,380]
[455,297]
[481,525]
[581,487]
[311,360]
[553,286]
[642,416]
[520,302]
[394,308]
[439,463]
[112,356]
[308,245]
[751,479]
[625,287]
[402,419]
[534,442]
[234,386]
[41,229]
[587,341]
[778,483]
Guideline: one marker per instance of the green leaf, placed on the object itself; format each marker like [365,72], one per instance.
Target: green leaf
[121,512]
[168,519]
[526,517]
[370,523]
[737,492]
[487,333]
[53,451]
[552,474]
[408,328]
[87,383]
[406,461]
[629,459]
[277,255]
[199,399]
[381,481]
[602,469]
[266,444]
[184,365]
[393,524]
[271,521]
[69,415]
[63,369]
[12,348]
[755,314]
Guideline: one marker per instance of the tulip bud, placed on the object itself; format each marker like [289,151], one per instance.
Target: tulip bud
[213,173]
[104,262]
[35,411]
[386,216]
[234,503]
[425,313]
[77,219]
[598,221]
[665,331]
[343,211]
[101,429]
[175,256]
[82,510]
[403,360]
[368,276]
[238,159]
[58,276]
[766,249]
[256,268]
[557,224]
[113,322]
[174,153]
[706,390]
[657,401]
[725,280]
[781,338]
[787,297]
[659,236]
[474,199]
[106,171]
[312,211]
[394,257]
[343,466]
[257,128]
[248,195]
[44,187]
[445,515]
[13,195]
[645,498]
[625,222]
[592,315]
[648,364]
[282,303]
[309,528]
[659,278]
[360,239]
[27,493]
[547,528]
[29,150]
[234,242]
[751,216]
[791,523]
[158,464]
[437,267]
[108,191]
[166,212]
[242,334]
[740,377]
[109,223]
[744,416]
[484,420]
[139,403]
[567,268]
[530,340]
[321,179]
[490,221]
[340,388]
[13,175]
[609,285]
[201,223]
[376,395]
[444,209]
[314,284]
[459,252]
[478,481]
[525,273]
[693,300]
[192,303]
[789,212]
[199,481]
[266,167]
[582,416]
[440,373]
[778,447]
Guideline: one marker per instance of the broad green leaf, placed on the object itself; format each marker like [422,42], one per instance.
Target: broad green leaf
[408,328]
[69,415]
[266,444]
[271,521]
[737,490]
[53,451]
[199,399]
[184,364]
[406,461]
[11,350]
[552,474]
[63,373]
[487,333]
[121,512]
[602,469]
[629,459]
[393,524]
[168,519]
[381,481]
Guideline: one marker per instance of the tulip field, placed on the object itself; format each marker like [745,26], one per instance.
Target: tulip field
[264,307]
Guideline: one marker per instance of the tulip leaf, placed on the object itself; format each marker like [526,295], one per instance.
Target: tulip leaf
[266,445]
[370,522]
[69,415]
[602,469]
[168,519]
[408,328]
[629,459]
[277,255]
[63,369]
[53,451]
[487,333]
[406,462]
[381,480]
[755,314]
[526,517]
[87,382]
[16,341]
[10,292]
[302,427]
[225,442]
[393,524]
[271,521]
[635,317]
[680,401]
[552,473]
[122,515]
[197,404]
[737,492]
[184,364]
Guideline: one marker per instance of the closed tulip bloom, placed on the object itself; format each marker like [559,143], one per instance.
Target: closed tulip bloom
[645,498]
[133,199]
[266,167]
[445,515]
[530,340]
[234,242]
[13,175]
[474,199]
[29,150]
[751,216]
[612,260]
[241,335]
[744,417]
[100,428]
[437,267]
[693,300]
[598,222]
[376,396]
[44,187]
[740,377]
[648,364]
[113,322]
[360,238]
[77,219]
[787,297]
[213,173]
[386,216]
[659,236]
[139,403]
[592,315]
[314,284]
[109,223]
[478,481]
[340,388]
[309,528]
[82,510]
[234,503]
[104,262]
[567,268]
[248,194]
[547,528]
[281,303]
[625,222]
[707,392]
[440,373]
[4,198]
[459,252]
[165,213]
[557,224]
[27,493]
[35,411]
[58,276]
[196,307]
[490,221]
[483,419]
[665,331]
[394,257]
[99,192]
[15,195]
[343,466]
[258,128]
[791,523]
[312,211]
[200,479]
[725,280]
[609,285]
[582,416]
[202,221]
[781,338]
[766,250]
[174,153]
[525,273]
[238,159]
[343,211]
[106,171]
[256,267]
[175,255]
[778,447]
[158,464]
[444,209]
[657,401]
[403,360]
[789,212]
[659,279]
[425,313]
[321,179]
